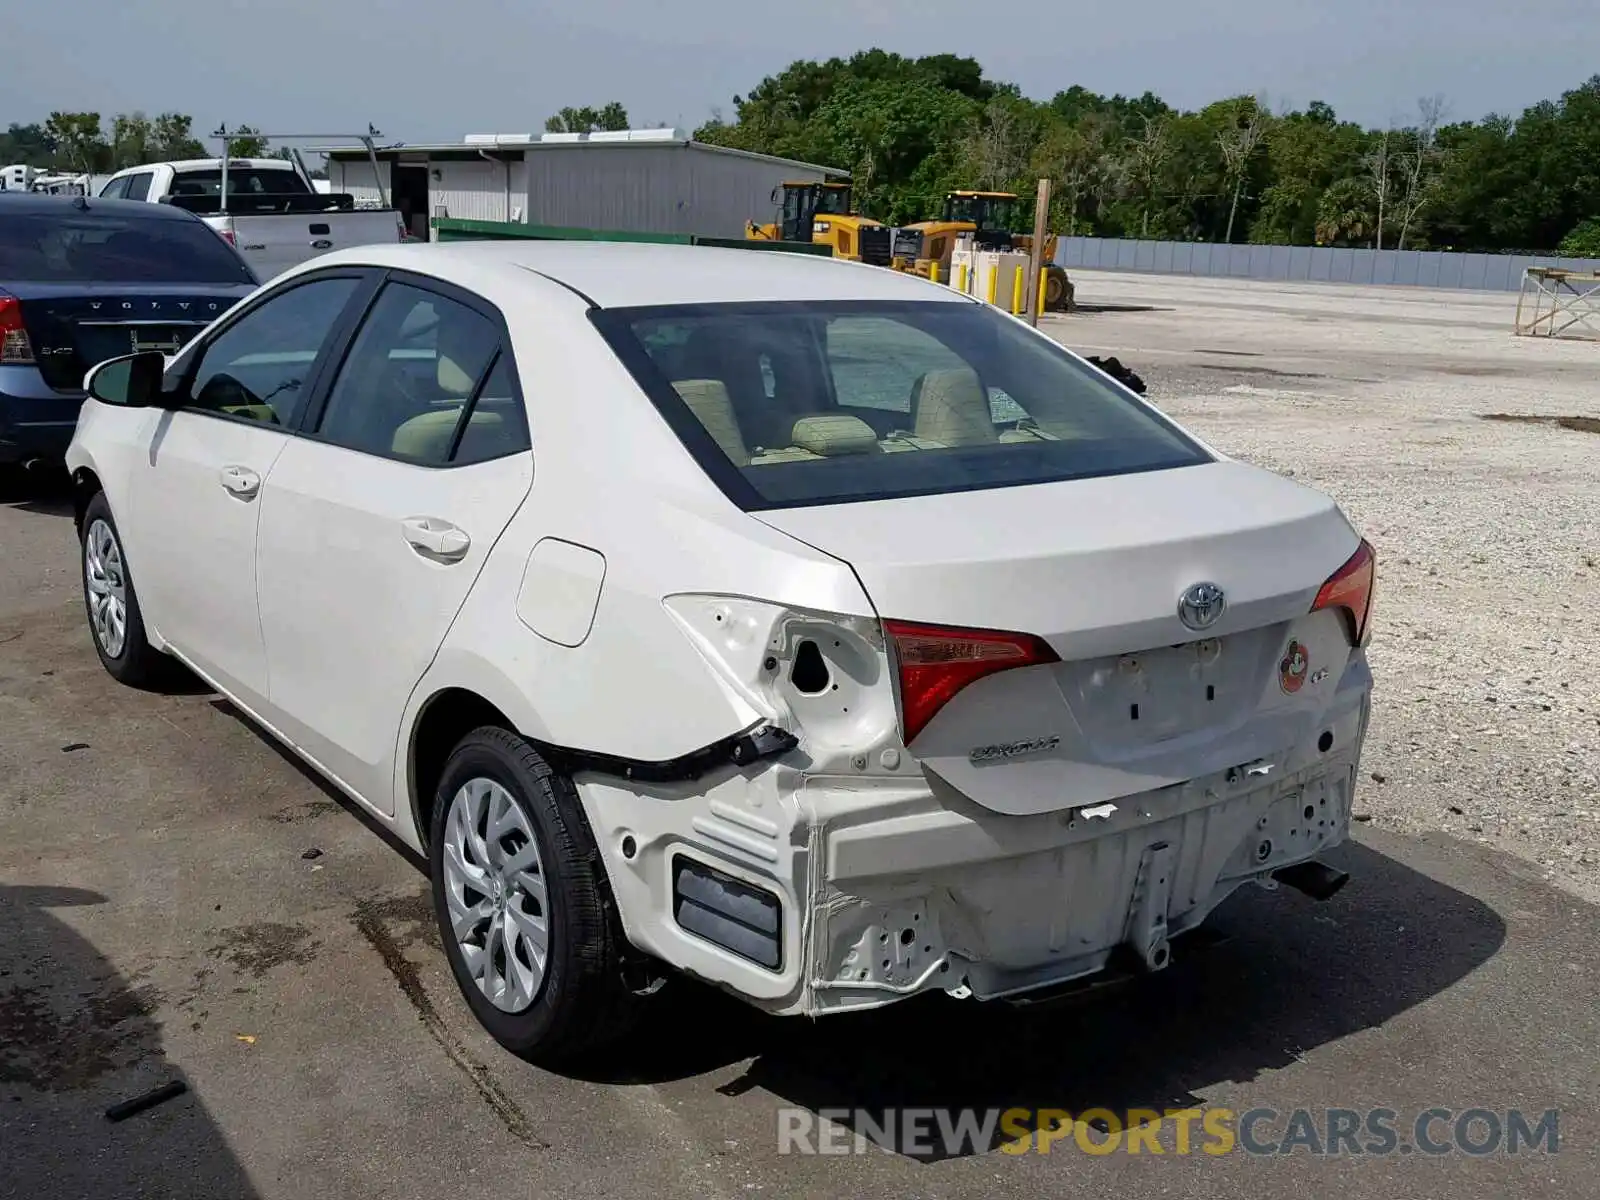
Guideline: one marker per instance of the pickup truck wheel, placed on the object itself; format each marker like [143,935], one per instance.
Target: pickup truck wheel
[521,905]
[112,605]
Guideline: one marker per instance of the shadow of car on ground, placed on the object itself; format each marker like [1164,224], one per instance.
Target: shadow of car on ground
[75,1038]
[1280,976]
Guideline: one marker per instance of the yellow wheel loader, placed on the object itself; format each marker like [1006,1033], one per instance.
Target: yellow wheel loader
[988,217]
[809,211]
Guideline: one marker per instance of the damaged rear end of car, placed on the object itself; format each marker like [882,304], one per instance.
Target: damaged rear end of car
[1101,677]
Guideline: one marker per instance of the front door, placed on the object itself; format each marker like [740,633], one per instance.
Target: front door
[199,499]
[377,522]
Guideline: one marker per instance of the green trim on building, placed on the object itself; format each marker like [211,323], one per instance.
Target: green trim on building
[459,229]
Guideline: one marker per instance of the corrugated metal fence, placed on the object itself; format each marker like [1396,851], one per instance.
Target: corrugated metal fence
[1296,264]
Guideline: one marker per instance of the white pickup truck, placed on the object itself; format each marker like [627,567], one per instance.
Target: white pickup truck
[268,208]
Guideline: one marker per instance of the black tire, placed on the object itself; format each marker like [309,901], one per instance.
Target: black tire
[1057,290]
[137,663]
[583,1003]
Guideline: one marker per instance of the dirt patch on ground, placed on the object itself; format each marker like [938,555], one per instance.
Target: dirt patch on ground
[55,1042]
[1576,424]
[256,949]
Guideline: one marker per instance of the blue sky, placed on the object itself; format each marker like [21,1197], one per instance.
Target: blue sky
[317,66]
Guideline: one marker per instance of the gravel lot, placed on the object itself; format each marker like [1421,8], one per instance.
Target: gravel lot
[1486,649]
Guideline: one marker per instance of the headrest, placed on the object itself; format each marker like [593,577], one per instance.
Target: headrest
[708,400]
[951,406]
[452,379]
[834,433]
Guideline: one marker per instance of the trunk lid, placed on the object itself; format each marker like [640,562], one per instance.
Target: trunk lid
[73,326]
[1096,568]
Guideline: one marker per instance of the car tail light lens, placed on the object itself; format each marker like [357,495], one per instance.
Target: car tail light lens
[227,236]
[1350,589]
[935,662]
[15,348]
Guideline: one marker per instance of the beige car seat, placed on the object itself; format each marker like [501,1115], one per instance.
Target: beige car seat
[950,407]
[711,405]
[428,435]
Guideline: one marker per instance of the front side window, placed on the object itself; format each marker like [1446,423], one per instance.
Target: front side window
[410,380]
[139,185]
[259,368]
[797,403]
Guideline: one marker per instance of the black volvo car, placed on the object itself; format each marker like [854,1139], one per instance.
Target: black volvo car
[84,280]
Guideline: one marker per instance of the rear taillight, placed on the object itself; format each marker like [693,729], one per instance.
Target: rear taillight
[1350,589]
[227,236]
[15,348]
[936,662]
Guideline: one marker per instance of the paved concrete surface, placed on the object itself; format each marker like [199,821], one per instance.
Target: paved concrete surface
[158,921]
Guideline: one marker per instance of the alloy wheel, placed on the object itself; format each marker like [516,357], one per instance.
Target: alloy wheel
[105,578]
[495,890]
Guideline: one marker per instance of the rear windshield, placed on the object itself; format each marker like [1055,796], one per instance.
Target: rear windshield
[77,247]
[253,181]
[798,403]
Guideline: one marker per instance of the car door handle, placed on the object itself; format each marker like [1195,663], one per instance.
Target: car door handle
[241,482]
[438,538]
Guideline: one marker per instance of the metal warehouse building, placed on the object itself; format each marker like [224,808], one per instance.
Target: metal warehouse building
[639,180]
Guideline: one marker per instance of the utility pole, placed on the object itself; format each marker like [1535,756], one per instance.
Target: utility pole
[1041,224]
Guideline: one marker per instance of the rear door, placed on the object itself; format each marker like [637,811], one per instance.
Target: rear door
[378,520]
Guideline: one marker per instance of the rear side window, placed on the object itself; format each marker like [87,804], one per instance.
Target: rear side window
[79,247]
[425,382]
[797,403]
[139,186]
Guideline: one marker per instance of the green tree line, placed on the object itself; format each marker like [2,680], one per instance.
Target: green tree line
[84,143]
[1237,170]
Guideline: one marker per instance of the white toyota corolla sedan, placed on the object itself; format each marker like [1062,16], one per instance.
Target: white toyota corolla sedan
[797,625]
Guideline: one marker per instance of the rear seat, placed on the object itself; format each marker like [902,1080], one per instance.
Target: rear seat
[950,408]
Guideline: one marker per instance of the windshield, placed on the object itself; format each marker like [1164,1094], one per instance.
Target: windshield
[797,403]
[986,212]
[834,202]
[87,247]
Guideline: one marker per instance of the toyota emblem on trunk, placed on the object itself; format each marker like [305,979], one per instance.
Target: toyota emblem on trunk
[1201,605]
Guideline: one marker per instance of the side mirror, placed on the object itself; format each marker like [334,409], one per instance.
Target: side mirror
[132,381]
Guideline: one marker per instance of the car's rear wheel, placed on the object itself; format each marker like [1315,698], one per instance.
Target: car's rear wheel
[519,896]
[111,603]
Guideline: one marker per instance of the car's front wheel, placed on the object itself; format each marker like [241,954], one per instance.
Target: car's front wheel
[521,907]
[111,603]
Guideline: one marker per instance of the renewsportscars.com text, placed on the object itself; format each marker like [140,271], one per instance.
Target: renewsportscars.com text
[1330,1132]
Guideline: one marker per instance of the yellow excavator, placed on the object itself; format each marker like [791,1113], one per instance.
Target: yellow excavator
[810,211]
[988,217]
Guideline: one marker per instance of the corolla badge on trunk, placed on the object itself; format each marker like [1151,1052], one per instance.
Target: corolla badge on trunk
[1201,606]
[1012,749]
